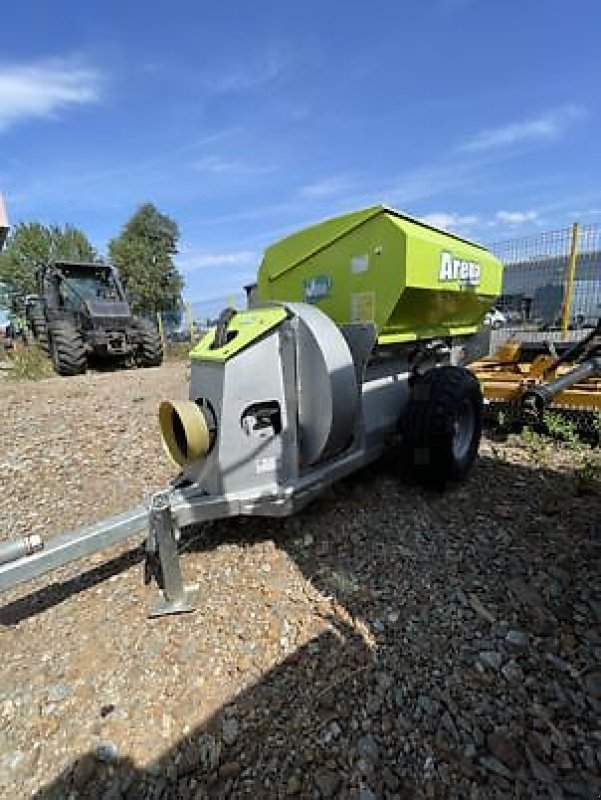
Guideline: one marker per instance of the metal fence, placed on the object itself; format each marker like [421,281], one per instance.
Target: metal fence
[551,282]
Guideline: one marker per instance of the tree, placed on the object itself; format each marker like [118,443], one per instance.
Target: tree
[31,245]
[143,253]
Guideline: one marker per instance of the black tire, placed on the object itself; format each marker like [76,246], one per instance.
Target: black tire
[150,349]
[67,349]
[40,330]
[443,425]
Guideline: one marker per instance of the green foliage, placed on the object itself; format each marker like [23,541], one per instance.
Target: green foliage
[537,445]
[562,429]
[30,246]
[597,425]
[143,253]
[29,364]
[587,476]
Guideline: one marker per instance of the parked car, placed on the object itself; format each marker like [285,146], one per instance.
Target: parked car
[495,318]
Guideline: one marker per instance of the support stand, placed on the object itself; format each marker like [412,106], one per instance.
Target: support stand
[176,598]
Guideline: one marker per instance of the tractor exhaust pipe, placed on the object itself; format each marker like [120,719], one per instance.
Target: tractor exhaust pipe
[185,432]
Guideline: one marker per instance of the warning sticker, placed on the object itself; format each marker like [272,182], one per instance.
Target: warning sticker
[264,465]
[363,307]
[359,264]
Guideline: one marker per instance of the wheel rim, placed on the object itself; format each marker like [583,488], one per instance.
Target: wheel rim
[464,427]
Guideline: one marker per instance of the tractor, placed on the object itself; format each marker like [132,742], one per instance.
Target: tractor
[81,313]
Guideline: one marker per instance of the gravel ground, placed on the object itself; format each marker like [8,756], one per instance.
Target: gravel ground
[386,643]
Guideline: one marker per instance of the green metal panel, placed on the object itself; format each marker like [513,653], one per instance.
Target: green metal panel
[377,265]
[244,328]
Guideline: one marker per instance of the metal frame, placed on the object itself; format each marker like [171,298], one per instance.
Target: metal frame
[169,512]
[228,482]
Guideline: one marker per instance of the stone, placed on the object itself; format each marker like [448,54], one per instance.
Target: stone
[387,725]
[398,696]
[449,726]
[563,760]
[592,684]
[368,748]
[229,730]
[517,640]
[327,781]
[107,752]
[541,772]
[112,793]
[481,609]
[493,765]
[293,786]
[512,672]
[491,659]
[59,692]
[595,606]
[207,752]
[503,749]
[230,769]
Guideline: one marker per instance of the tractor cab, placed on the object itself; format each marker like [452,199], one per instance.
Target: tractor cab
[92,290]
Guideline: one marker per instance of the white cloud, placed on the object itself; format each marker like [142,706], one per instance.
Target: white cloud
[193,262]
[246,78]
[326,187]
[516,217]
[548,126]
[216,165]
[449,222]
[44,89]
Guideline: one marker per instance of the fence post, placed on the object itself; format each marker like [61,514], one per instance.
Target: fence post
[161,330]
[190,320]
[569,288]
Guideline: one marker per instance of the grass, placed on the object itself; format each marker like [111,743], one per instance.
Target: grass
[559,432]
[177,351]
[28,364]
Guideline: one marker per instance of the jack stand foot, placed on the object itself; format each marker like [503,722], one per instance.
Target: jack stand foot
[175,597]
[182,605]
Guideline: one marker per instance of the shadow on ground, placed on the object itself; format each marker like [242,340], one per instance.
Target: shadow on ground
[390,701]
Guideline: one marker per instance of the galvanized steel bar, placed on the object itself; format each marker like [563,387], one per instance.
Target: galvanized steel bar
[14,549]
[60,550]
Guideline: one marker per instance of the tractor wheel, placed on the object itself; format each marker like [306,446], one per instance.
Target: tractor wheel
[150,351]
[442,425]
[40,330]
[67,349]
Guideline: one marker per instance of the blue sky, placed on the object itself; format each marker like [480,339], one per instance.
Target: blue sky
[246,120]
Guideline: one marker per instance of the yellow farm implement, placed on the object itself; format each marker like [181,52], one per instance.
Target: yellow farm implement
[530,377]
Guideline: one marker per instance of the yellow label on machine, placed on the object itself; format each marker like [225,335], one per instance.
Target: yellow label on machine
[363,307]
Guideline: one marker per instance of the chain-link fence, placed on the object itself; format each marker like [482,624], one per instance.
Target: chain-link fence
[178,326]
[551,282]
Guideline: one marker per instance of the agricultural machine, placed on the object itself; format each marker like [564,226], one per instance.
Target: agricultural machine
[524,379]
[81,312]
[359,339]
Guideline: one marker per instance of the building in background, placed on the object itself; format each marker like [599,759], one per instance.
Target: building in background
[535,277]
